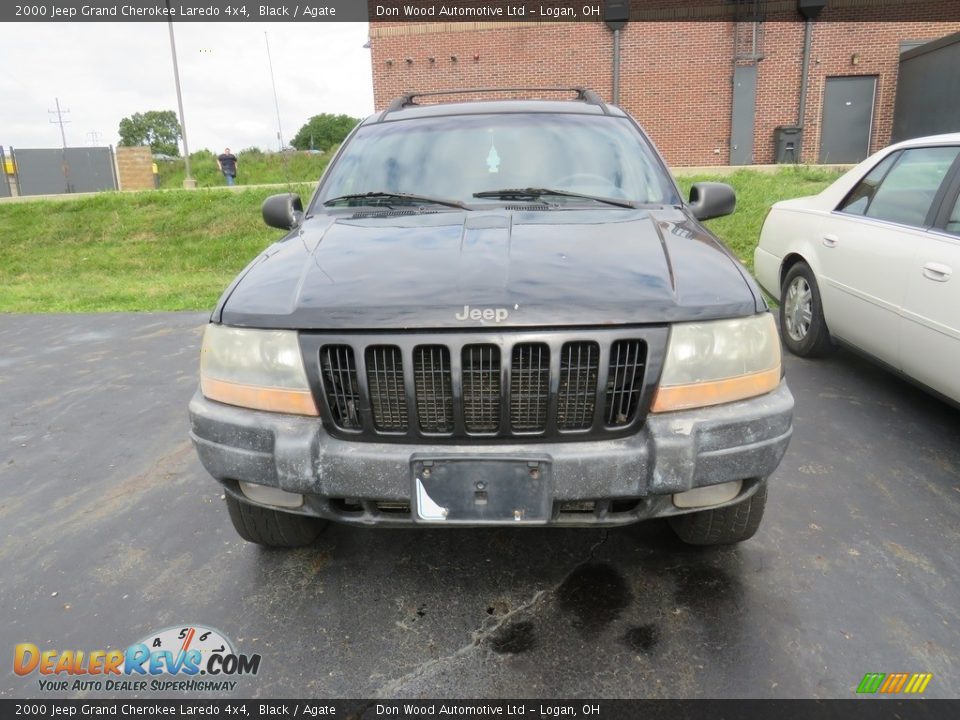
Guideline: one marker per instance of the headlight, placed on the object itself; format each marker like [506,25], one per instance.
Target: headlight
[717,362]
[259,369]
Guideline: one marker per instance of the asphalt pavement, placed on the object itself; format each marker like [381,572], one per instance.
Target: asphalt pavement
[110,530]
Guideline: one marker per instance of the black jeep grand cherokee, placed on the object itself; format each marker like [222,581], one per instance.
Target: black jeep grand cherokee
[494,312]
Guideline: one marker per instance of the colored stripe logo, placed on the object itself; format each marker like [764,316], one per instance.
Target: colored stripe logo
[893,683]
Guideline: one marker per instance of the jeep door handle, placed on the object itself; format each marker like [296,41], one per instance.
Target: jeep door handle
[937,272]
[830,240]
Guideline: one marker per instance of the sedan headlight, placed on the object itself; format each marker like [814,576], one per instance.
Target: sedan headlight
[717,362]
[259,369]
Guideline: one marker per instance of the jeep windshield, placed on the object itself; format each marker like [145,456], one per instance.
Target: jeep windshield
[472,159]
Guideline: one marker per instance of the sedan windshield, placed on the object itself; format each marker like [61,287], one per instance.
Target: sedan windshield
[455,157]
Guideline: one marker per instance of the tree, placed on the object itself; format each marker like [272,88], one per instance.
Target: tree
[323,131]
[157,128]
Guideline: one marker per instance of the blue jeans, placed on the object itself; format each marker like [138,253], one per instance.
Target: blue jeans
[229,178]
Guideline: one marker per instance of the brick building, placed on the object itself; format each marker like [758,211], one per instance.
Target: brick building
[709,80]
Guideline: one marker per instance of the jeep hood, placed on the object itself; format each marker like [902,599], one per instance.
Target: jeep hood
[392,271]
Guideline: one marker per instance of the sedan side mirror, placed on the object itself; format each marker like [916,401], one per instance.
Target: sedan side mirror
[712,199]
[283,211]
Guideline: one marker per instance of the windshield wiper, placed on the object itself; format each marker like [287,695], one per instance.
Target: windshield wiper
[398,196]
[534,193]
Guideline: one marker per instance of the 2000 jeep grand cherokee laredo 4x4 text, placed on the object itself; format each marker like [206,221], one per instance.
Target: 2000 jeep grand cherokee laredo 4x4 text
[494,313]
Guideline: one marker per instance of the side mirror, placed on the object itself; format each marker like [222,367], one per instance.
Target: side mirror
[283,211]
[712,199]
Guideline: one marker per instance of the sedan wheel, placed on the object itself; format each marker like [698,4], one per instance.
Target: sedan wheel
[797,308]
[801,313]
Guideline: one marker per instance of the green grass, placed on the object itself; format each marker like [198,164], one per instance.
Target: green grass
[756,192]
[178,250]
[173,250]
[254,167]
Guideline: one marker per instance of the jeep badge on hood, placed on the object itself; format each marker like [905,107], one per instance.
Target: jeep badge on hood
[495,314]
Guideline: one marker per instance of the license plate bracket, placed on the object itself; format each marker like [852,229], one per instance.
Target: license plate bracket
[477,491]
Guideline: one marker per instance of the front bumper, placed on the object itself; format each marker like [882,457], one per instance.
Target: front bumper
[603,482]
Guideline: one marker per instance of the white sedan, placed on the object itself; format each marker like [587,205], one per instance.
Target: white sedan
[873,262]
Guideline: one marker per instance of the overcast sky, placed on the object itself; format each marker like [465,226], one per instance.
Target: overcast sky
[103,72]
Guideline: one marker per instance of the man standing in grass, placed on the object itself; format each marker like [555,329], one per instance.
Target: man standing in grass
[228,165]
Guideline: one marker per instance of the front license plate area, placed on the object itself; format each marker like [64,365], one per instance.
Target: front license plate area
[475,491]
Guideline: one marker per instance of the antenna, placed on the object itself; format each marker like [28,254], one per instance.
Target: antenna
[59,121]
[276,103]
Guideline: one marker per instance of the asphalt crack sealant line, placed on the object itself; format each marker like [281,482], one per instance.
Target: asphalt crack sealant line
[486,634]
[395,687]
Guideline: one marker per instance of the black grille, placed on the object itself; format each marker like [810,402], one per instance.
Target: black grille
[579,365]
[624,381]
[339,372]
[481,388]
[529,387]
[388,398]
[523,385]
[434,394]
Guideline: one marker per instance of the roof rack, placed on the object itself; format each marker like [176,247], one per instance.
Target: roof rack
[583,94]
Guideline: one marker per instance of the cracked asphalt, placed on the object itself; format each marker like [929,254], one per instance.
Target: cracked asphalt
[112,530]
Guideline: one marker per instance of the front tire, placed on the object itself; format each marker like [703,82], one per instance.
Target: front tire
[802,324]
[722,526]
[272,528]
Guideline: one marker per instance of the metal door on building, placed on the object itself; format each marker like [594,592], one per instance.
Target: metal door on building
[744,108]
[928,89]
[847,119]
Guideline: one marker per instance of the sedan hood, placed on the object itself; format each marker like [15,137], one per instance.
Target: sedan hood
[396,270]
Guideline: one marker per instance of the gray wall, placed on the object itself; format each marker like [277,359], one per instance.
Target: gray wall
[928,90]
[66,170]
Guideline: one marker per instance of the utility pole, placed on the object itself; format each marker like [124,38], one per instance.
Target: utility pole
[276,104]
[188,182]
[59,121]
[94,137]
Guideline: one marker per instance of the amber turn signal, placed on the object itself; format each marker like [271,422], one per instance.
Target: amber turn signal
[297,402]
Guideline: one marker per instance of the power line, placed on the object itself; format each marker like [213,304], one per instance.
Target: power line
[59,121]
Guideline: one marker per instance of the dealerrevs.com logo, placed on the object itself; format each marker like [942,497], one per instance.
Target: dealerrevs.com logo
[187,658]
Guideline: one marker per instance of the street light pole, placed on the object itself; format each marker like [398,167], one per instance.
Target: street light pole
[188,182]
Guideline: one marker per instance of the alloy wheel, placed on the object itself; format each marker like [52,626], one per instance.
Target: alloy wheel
[798,308]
